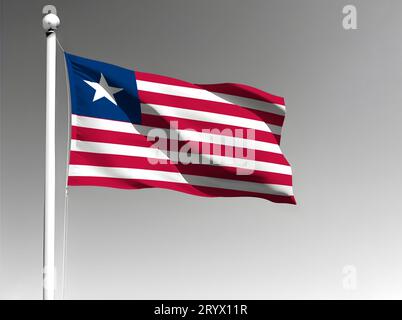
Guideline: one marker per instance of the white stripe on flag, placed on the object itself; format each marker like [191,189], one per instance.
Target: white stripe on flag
[149,152]
[183,135]
[128,173]
[155,109]
[211,96]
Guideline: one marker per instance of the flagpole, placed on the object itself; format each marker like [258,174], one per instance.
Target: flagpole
[50,23]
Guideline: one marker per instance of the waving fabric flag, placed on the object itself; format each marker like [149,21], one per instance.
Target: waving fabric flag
[136,130]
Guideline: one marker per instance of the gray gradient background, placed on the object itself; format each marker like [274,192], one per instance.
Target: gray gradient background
[342,136]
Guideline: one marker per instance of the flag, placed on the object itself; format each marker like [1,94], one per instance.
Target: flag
[135,130]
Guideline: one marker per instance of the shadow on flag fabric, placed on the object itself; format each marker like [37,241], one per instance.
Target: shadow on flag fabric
[135,130]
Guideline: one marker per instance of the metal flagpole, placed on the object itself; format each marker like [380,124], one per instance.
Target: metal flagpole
[50,23]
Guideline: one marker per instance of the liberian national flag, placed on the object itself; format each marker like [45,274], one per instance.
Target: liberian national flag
[135,130]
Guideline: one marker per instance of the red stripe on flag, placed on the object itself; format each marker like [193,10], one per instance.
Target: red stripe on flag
[165,122]
[236,89]
[97,135]
[243,90]
[224,172]
[186,188]
[210,106]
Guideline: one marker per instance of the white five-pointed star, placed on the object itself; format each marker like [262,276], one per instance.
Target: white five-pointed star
[103,90]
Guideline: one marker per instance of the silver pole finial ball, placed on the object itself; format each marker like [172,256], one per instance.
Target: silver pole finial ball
[50,22]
